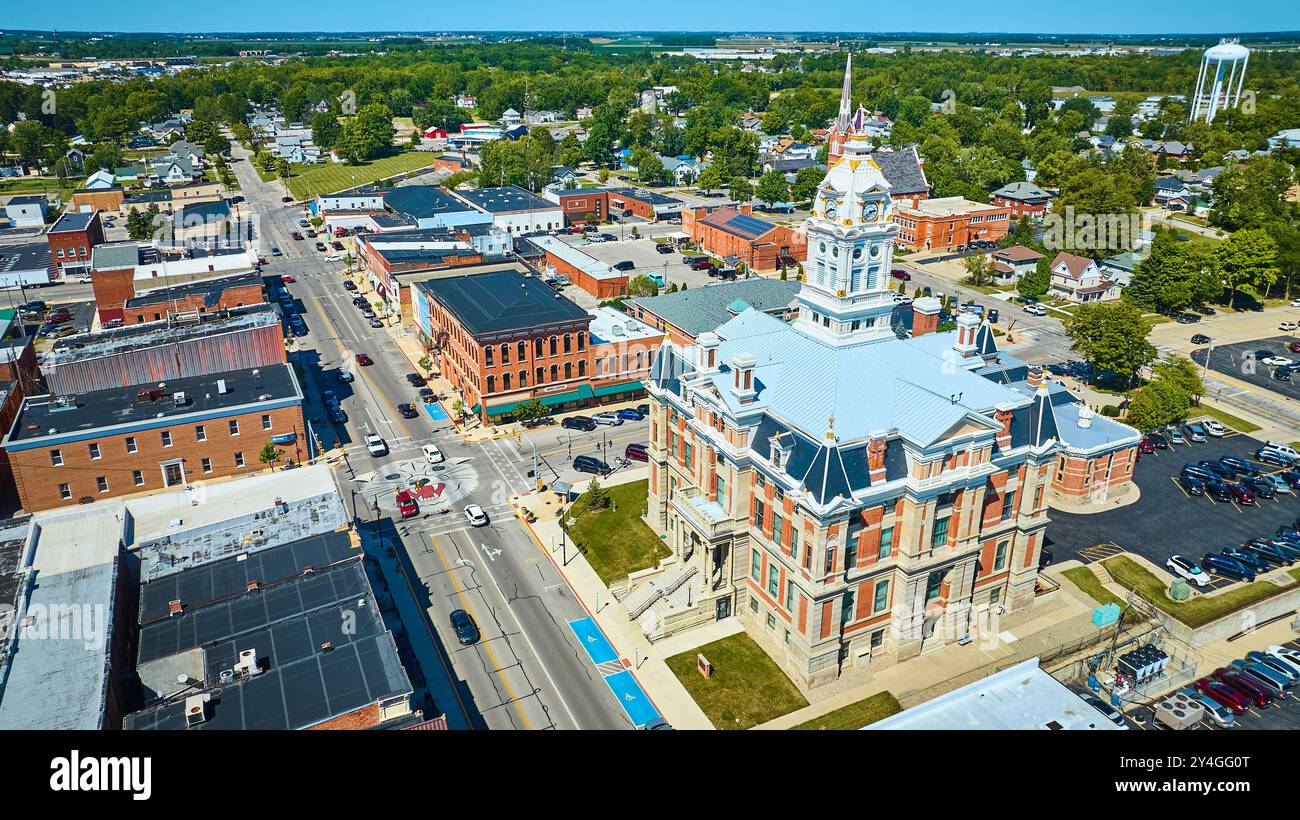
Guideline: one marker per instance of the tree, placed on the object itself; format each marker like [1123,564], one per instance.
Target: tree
[597,496]
[1247,258]
[1252,196]
[530,410]
[270,454]
[1183,373]
[740,190]
[367,135]
[805,184]
[709,179]
[282,168]
[1173,276]
[325,130]
[107,155]
[1156,405]
[649,168]
[570,151]
[772,187]
[773,122]
[28,141]
[642,285]
[1111,336]
[979,270]
[425,364]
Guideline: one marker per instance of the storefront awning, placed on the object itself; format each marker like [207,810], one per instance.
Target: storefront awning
[583,393]
[620,387]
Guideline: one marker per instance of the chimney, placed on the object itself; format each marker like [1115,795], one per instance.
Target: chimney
[876,456]
[925,316]
[742,377]
[1035,377]
[1002,413]
[1085,417]
[968,326]
[707,352]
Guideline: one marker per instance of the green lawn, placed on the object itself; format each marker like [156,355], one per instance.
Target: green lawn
[36,185]
[1235,422]
[1197,610]
[747,688]
[328,177]
[616,542]
[856,715]
[1086,580]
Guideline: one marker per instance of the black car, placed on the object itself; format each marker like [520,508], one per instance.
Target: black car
[1188,318]
[1191,485]
[349,285]
[590,464]
[664,248]
[427,396]
[578,423]
[1216,489]
[1221,470]
[407,411]
[625,265]
[415,380]
[338,415]
[643,409]
[1259,486]
[1200,339]
[462,623]
[320,246]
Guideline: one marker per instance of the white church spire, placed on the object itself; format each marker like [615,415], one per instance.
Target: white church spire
[844,120]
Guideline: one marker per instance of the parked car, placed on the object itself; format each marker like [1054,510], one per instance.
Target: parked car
[1275,682]
[336,245]
[590,464]
[1176,436]
[364,359]
[1216,489]
[287,279]
[1111,713]
[636,452]
[1200,339]
[1241,494]
[1187,569]
[1214,428]
[1246,558]
[296,235]
[899,273]
[703,264]
[1218,564]
[1282,667]
[338,416]
[407,410]
[1160,440]
[630,414]
[665,249]
[432,454]
[1191,485]
[427,395]
[286,199]
[1261,486]
[463,626]
[329,398]
[475,516]
[1286,653]
[1223,695]
[376,322]
[375,445]
[578,423]
[1187,319]
[320,246]
[276,252]
[1275,452]
[1269,553]
[1145,447]
[643,409]
[416,380]
[1220,469]
[406,504]
[609,418]
[1196,433]
[1256,692]
[1035,309]
[1288,326]
[1218,714]
[349,285]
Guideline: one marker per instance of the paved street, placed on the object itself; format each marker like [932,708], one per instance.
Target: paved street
[527,671]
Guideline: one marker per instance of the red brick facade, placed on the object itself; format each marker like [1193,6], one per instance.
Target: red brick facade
[70,250]
[759,252]
[230,297]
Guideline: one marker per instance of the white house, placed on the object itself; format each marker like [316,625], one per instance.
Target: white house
[1078,279]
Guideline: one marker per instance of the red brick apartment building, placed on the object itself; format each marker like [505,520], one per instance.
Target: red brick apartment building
[1023,198]
[194,300]
[732,231]
[581,205]
[72,239]
[949,222]
[74,449]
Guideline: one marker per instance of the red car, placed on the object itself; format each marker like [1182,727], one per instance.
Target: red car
[1223,695]
[899,273]
[406,504]
[1294,347]
[1145,446]
[1254,692]
[363,359]
[703,264]
[288,280]
[1241,494]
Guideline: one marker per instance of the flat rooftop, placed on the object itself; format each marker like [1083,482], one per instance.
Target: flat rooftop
[72,221]
[209,289]
[423,201]
[501,301]
[576,257]
[507,199]
[104,412]
[1019,697]
[27,256]
[948,206]
[642,195]
[613,325]
[151,334]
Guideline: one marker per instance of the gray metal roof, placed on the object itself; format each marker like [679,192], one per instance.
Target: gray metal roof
[507,199]
[423,201]
[902,170]
[697,310]
[502,301]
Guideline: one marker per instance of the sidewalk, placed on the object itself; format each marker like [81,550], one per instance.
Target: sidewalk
[643,659]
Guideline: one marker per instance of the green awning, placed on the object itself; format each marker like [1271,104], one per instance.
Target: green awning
[621,387]
[474,410]
[583,393]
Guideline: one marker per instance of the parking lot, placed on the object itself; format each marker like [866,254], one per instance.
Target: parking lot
[1165,520]
[642,254]
[1239,361]
[1282,714]
[557,446]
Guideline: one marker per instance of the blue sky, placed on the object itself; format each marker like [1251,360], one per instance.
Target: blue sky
[1046,16]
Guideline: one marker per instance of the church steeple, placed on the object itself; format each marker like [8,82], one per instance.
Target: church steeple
[844,121]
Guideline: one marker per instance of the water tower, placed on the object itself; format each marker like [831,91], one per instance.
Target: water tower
[1218,86]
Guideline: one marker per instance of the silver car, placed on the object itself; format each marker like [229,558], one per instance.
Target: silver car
[612,419]
[1196,433]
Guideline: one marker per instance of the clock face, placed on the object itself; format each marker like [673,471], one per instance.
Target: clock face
[870,212]
[831,210]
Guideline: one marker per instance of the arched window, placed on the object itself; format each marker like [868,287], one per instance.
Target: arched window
[568,343]
[537,346]
[523,351]
[505,354]
[555,373]
[554,351]
[582,367]
[541,375]
[487,356]
[582,340]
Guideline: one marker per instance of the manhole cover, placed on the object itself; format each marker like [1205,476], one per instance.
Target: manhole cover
[438,468]
[392,477]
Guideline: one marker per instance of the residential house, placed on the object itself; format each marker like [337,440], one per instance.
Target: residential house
[1023,198]
[1011,263]
[1173,194]
[1079,279]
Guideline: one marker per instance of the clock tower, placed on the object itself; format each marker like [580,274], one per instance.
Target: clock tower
[846,296]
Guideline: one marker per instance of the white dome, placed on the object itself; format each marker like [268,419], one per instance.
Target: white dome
[1227,51]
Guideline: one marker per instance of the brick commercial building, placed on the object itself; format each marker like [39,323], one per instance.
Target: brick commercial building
[391,260]
[854,498]
[732,232]
[514,210]
[121,270]
[580,205]
[108,200]
[950,222]
[69,449]
[646,204]
[597,278]
[188,302]
[1023,198]
[73,238]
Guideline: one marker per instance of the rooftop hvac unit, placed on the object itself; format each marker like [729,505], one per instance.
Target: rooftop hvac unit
[226,676]
[221,387]
[196,709]
[247,664]
[178,397]
[1179,711]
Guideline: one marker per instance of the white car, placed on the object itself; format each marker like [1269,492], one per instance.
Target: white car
[1037,310]
[84,279]
[1181,566]
[612,419]
[333,257]
[1290,657]
[475,516]
[432,454]
[1288,326]
[900,299]
[1277,361]
[376,445]
[1295,303]
[1214,428]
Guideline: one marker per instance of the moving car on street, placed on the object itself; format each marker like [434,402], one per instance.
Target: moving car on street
[475,516]
[406,504]
[376,445]
[462,623]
